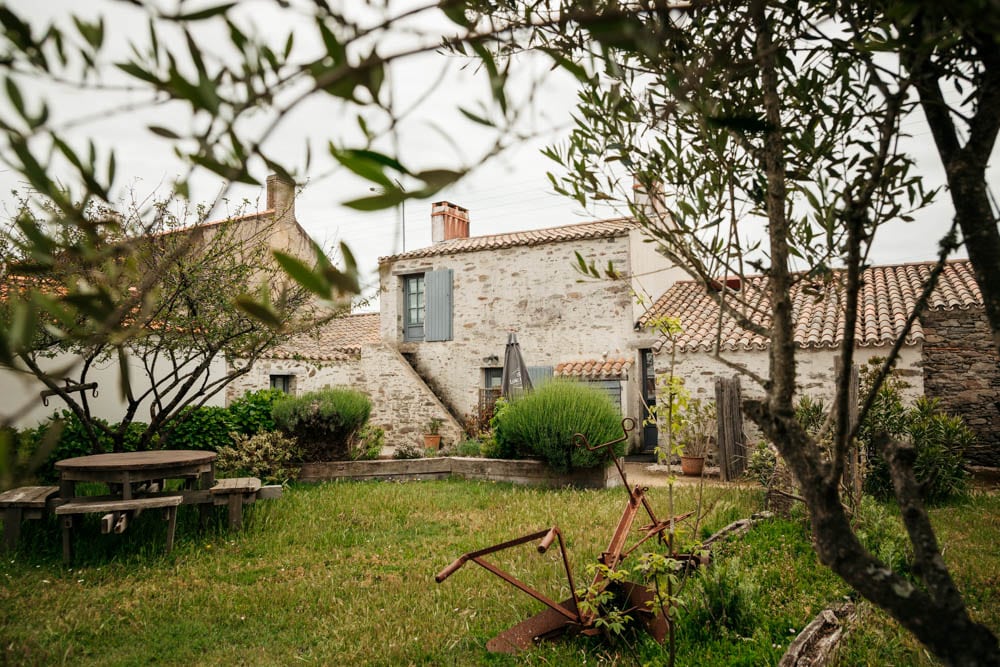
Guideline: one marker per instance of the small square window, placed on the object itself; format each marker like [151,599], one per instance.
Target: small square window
[283,383]
[492,378]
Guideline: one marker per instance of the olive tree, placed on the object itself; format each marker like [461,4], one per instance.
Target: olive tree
[785,118]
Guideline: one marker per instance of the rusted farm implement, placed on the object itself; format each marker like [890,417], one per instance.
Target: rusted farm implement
[570,616]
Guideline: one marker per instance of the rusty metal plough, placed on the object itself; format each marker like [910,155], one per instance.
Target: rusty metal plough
[570,616]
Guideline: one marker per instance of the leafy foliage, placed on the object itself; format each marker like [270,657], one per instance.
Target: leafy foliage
[251,413]
[939,441]
[367,443]
[543,424]
[63,435]
[882,533]
[205,427]
[323,421]
[269,455]
[409,450]
[762,463]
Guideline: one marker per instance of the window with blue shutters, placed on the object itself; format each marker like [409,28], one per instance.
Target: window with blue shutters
[414,308]
[427,306]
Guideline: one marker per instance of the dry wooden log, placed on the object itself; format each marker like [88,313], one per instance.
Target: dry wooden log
[816,644]
[736,528]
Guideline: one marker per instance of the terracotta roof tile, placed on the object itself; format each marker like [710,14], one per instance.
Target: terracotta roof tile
[587,230]
[595,368]
[337,340]
[887,296]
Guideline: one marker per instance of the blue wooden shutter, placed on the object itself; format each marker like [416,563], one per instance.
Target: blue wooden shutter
[437,286]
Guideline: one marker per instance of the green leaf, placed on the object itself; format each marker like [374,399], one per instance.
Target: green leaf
[202,14]
[369,165]
[92,32]
[377,202]
[14,95]
[439,178]
[134,70]
[303,274]
[164,132]
[261,312]
[476,118]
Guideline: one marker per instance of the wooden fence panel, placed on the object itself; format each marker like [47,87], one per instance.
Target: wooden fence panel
[731,440]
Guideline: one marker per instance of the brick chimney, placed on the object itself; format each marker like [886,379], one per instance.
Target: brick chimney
[448,221]
[281,197]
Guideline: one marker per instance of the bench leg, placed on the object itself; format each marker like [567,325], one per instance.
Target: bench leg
[11,527]
[235,503]
[171,527]
[67,539]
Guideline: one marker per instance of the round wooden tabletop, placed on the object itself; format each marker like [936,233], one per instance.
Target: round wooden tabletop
[136,460]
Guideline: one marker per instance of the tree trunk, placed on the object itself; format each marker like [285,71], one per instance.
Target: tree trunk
[940,621]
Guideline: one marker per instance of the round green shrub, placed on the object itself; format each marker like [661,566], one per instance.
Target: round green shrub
[251,413]
[323,422]
[940,442]
[543,423]
[205,427]
[269,455]
[65,436]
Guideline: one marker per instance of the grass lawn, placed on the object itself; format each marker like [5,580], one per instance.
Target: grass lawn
[338,574]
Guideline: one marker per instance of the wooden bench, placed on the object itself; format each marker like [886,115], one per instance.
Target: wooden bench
[235,492]
[116,517]
[26,502]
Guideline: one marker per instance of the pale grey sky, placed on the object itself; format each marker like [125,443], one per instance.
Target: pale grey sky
[509,193]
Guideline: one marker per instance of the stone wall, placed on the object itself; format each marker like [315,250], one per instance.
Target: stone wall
[401,403]
[814,372]
[962,370]
[558,314]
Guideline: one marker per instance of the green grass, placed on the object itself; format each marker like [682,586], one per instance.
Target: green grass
[343,574]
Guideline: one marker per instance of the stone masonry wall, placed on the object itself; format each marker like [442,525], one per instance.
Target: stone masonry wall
[962,370]
[401,403]
[814,373]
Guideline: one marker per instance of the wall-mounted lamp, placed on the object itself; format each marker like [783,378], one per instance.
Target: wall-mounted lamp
[491,360]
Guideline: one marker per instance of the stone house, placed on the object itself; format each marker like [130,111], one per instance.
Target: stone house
[436,348]
[275,227]
[948,353]
[448,308]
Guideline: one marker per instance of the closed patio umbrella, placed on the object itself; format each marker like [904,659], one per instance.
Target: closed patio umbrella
[515,378]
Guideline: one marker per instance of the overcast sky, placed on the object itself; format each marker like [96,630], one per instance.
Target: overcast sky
[509,193]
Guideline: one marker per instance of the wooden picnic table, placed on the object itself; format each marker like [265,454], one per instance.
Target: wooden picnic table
[121,471]
[127,468]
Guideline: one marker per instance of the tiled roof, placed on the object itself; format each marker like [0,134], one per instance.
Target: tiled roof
[595,368]
[337,340]
[888,295]
[587,230]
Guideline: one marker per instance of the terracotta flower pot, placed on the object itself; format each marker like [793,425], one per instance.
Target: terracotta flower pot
[432,441]
[692,465]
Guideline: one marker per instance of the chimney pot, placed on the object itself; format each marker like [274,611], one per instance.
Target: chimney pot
[448,221]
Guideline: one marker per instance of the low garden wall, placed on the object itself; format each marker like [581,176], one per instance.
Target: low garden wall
[531,473]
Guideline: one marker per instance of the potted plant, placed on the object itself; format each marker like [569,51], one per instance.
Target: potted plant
[432,433]
[695,433]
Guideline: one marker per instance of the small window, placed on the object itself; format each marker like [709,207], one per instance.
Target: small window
[414,307]
[492,378]
[282,383]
